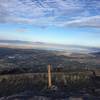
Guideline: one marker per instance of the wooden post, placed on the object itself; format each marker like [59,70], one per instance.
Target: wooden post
[49,76]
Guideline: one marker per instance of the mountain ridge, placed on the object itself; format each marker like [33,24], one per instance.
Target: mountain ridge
[47,46]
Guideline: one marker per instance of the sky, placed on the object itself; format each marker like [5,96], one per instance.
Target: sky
[71,22]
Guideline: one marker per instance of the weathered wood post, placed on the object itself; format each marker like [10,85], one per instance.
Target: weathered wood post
[49,76]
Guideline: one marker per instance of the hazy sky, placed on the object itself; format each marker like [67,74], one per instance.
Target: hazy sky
[74,22]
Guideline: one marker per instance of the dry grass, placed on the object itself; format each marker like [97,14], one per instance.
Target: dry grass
[11,84]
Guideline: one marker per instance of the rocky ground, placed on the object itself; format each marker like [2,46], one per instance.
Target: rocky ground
[29,95]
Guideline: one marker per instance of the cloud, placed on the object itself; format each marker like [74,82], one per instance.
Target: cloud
[21,30]
[44,13]
[93,21]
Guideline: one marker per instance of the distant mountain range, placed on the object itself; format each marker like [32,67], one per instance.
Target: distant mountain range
[19,42]
[48,46]
[96,53]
